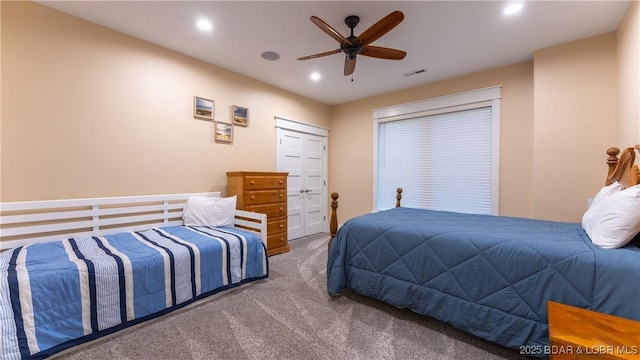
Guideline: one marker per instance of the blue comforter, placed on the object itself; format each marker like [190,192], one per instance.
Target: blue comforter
[488,275]
[58,294]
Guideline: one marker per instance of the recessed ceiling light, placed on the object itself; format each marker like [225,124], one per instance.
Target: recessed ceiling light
[204,25]
[512,8]
[270,55]
[315,76]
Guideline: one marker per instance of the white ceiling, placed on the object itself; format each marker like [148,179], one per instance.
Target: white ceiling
[445,38]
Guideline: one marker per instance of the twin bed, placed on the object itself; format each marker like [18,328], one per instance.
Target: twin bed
[121,261]
[491,276]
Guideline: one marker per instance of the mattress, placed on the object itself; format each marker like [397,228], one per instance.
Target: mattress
[491,276]
[58,294]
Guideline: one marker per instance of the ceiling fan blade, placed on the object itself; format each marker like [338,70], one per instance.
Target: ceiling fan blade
[383,53]
[349,65]
[330,31]
[380,28]
[326,53]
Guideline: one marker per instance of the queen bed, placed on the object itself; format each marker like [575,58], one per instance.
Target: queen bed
[492,276]
[75,270]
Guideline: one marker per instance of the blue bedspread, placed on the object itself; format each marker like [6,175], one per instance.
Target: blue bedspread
[490,276]
[58,294]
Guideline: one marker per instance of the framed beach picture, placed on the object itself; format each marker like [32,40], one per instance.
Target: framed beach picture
[223,132]
[239,115]
[203,108]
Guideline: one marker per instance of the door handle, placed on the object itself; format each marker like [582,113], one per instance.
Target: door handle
[301,191]
[308,191]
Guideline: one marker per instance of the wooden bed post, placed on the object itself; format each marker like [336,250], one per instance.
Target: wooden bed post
[622,168]
[333,223]
[398,197]
[612,162]
[635,171]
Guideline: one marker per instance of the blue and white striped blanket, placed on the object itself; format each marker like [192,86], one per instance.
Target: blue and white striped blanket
[58,294]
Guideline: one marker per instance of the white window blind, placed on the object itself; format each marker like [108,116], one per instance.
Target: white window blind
[442,161]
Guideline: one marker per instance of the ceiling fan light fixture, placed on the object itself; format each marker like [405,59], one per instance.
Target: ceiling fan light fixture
[315,76]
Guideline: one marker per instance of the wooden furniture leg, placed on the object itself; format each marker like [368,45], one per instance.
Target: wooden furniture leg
[333,222]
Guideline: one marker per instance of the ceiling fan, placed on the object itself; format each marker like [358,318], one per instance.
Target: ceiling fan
[359,45]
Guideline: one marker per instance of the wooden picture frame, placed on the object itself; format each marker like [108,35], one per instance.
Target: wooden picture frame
[203,108]
[239,115]
[223,132]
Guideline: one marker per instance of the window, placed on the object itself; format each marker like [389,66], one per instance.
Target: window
[443,152]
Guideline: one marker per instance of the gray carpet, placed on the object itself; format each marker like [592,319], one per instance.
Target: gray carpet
[291,316]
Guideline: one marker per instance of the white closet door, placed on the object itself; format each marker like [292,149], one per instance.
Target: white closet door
[291,160]
[313,184]
[303,156]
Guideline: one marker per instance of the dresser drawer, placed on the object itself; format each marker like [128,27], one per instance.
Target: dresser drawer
[272,210]
[265,197]
[278,226]
[276,240]
[265,182]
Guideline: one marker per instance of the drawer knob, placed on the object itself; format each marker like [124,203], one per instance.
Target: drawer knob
[281,182]
[252,197]
[281,195]
[281,226]
[252,182]
[281,209]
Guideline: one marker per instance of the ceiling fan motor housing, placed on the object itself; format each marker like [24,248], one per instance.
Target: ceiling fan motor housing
[351,51]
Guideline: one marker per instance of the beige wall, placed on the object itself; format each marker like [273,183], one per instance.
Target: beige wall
[628,45]
[575,109]
[92,112]
[87,111]
[559,115]
[352,126]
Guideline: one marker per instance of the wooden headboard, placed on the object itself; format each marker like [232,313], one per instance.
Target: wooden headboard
[623,169]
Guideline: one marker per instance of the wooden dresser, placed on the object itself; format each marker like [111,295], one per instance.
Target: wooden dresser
[263,192]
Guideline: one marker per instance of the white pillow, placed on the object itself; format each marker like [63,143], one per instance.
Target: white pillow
[608,190]
[614,220]
[209,211]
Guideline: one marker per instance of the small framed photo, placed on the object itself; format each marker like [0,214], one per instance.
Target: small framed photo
[239,115]
[203,108]
[223,132]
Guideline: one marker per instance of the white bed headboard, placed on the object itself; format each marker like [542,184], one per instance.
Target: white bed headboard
[27,222]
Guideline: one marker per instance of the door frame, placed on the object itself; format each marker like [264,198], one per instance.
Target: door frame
[297,126]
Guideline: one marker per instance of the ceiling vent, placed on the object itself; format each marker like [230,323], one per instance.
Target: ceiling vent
[415,72]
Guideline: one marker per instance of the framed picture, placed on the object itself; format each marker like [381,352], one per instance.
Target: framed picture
[239,115]
[223,132]
[203,108]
